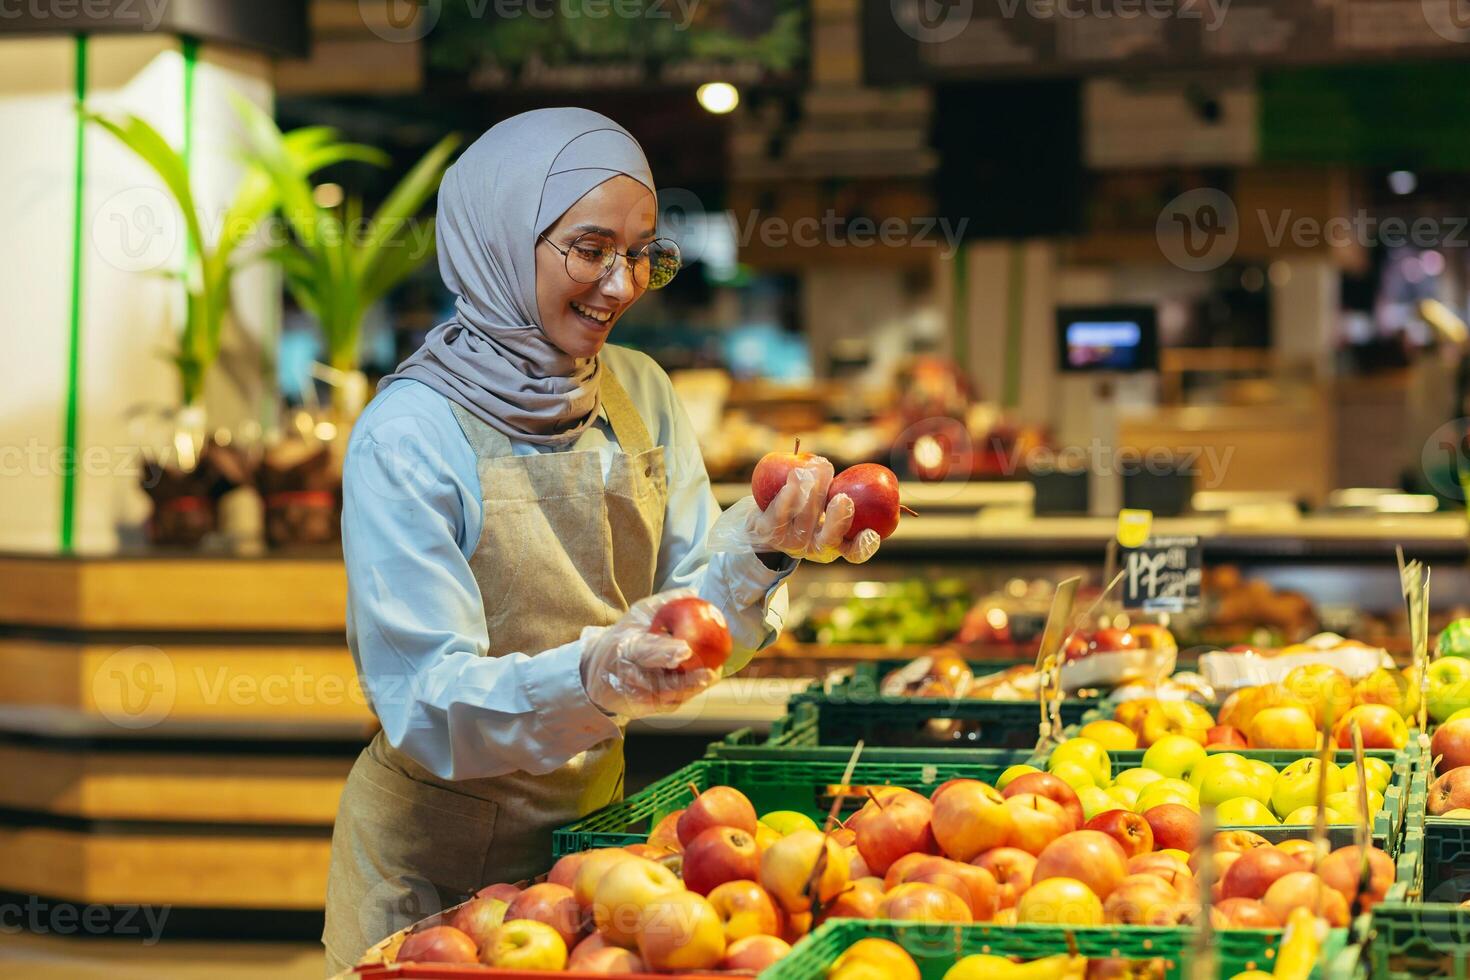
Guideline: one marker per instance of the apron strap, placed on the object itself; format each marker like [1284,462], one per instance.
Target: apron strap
[489,442]
[627,424]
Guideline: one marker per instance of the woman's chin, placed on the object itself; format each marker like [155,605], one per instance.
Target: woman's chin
[576,340]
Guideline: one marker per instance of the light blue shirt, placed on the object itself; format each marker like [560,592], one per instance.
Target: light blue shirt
[411,519]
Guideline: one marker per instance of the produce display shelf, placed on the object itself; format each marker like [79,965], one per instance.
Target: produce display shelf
[935,948]
[853,708]
[802,780]
[1388,823]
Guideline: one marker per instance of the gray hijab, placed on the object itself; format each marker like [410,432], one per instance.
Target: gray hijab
[493,357]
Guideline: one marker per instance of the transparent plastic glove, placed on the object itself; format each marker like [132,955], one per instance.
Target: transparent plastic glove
[629,671]
[796,522]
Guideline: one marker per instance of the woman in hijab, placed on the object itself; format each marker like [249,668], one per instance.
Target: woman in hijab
[518,501]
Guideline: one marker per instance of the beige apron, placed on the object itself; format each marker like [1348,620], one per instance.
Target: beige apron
[560,549]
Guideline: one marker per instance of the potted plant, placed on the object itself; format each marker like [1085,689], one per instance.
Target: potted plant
[195,471]
[336,265]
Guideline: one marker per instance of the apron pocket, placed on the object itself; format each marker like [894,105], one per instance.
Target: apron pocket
[426,831]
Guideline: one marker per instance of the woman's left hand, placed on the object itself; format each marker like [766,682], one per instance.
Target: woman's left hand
[799,521]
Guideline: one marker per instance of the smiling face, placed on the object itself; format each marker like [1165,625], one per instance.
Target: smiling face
[578,316]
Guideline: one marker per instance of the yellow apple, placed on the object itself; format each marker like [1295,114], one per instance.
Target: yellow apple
[1111,735]
[619,899]
[1308,815]
[1243,811]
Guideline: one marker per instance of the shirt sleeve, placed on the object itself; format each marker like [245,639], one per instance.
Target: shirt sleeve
[416,621]
[752,596]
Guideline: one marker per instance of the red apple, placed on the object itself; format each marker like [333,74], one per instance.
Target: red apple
[969,817]
[1129,829]
[1450,791]
[1303,850]
[438,944]
[1089,856]
[718,806]
[608,960]
[873,489]
[506,893]
[1382,728]
[554,905]
[1341,870]
[1242,913]
[899,870]
[919,902]
[1450,745]
[478,917]
[1256,871]
[1036,821]
[1142,900]
[754,953]
[665,833]
[1302,889]
[1220,862]
[718,855]
[564,871]
[1238,840]
[699,624]
[1012,869]
[746,909]
[1225,737]
[978,886]
[1109,640]
[1174,825]
[1049,786]
[860,900]
[774,470]
[889,827]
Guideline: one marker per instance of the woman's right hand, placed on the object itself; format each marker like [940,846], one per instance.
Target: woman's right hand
[628,671]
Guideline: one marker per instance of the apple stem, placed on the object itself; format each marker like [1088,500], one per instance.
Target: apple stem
[908,510]
[873,796]
[796,447]
[694,789]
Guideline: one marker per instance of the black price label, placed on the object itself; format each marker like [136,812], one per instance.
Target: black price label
[1163,575]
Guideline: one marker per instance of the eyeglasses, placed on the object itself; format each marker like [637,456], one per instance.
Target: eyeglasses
[591,256]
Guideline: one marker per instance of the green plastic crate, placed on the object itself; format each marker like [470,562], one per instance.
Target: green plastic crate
[853,709]
[1412,939]
[795,781]
[935,948]
[796,735]
[1388,823]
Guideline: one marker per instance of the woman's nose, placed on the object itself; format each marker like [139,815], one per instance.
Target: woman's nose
[618,283]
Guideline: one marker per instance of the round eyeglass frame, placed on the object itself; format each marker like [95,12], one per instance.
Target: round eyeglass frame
[667,244]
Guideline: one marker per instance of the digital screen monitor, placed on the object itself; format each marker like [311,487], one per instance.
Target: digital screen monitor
[1108,338]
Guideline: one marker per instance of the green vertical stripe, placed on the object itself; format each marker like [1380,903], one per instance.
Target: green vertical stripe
[74,340]
[190,51]
[960,313]
[1015,293]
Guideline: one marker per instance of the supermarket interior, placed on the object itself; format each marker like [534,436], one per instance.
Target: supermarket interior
[1027,532]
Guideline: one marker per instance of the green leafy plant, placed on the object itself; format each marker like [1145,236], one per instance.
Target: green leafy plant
[211,267]
[338,264]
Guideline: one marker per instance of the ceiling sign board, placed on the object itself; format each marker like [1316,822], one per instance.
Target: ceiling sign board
[905,41]
[276,27]
[618,44]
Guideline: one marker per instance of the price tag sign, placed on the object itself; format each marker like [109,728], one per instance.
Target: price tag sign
[1162,575]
